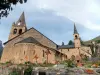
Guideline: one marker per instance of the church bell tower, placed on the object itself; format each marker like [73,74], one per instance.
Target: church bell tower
[77,43]
[18,28]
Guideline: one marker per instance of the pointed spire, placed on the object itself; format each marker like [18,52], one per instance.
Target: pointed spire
[21,19]
[75,30]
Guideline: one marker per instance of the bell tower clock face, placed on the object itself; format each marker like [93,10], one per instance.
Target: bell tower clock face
[19,23]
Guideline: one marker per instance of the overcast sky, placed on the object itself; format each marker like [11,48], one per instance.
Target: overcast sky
[55,18]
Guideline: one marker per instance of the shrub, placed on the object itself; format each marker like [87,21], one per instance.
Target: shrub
[15,72]
[69,63]
[28,63]
[8,62]
[88,65]
[28,71]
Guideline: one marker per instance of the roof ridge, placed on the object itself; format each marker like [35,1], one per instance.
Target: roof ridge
[28,30]
[44,35]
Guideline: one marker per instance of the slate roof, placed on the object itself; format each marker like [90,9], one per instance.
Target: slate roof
[65,46]
[32,40]
[29,40]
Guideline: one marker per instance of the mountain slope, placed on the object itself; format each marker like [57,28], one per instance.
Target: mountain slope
[96,39]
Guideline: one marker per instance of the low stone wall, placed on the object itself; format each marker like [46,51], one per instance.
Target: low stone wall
[4,70]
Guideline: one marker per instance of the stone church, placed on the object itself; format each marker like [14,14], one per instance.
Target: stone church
[25,45]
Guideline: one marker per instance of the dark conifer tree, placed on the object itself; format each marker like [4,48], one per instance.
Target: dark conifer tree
[70,42]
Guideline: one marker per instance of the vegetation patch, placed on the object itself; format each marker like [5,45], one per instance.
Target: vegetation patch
[15,71]
[28,71]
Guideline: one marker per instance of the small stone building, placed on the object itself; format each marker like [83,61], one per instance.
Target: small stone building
[75,50]
[25,45]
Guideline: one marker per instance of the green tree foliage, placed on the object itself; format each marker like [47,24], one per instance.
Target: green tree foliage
[97,41]
[28,71]
[70,42]
[15,71]
[82,43]
[6,6]
[70,63]
[94,52]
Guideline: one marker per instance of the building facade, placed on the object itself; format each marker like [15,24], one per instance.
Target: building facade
[76,49]
[25,45]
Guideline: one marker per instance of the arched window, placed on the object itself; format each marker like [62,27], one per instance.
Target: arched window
[15,31]
[76,37]
[20,31]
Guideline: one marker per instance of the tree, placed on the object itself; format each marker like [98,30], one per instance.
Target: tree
[94,49]
[70,42]
[97,41]
[81,41]
[6,6]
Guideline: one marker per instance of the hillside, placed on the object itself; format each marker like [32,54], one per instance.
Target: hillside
[96,39]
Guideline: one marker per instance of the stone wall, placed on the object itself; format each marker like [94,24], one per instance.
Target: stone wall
[76,52]
[23,52]
[86,51]
[70,52]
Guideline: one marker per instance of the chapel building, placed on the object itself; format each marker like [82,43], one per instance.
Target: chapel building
[25,45]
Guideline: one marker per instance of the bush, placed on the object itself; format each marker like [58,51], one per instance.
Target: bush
[88,65]
[8,62]
[15,72]
[28,71]
[69,63]
[28,63]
